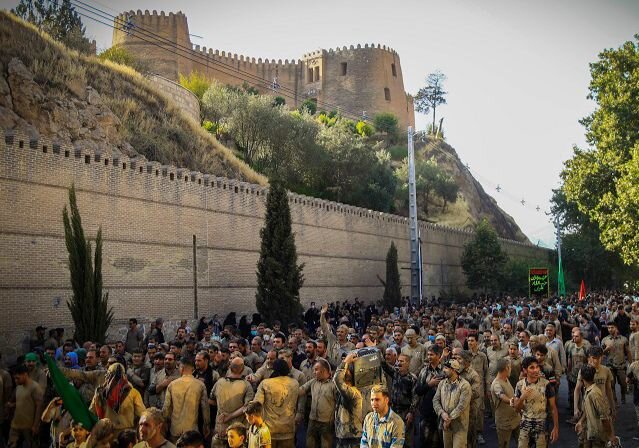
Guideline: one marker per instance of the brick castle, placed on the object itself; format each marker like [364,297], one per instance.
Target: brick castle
[362,79]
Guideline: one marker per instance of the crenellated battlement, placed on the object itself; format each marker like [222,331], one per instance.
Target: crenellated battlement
[350,48]
[119,164]
[242,60]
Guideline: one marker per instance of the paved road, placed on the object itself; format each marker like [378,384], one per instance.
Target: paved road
[625,425]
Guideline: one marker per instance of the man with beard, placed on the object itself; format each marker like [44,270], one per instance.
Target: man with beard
[337,342]
[452,405]
[506,419]
[306,367]
[479,363]
[164,378]
[265,371]
[151,431]
[402,392]
[415,351]
[138,373]
[429,378]
[464,358]
[576,357]
[323,392]
[151,400]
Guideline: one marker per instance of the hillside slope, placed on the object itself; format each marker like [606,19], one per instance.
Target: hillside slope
[473,203]
[80,101]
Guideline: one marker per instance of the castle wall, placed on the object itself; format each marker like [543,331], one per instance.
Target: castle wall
[149,214]
[182,97]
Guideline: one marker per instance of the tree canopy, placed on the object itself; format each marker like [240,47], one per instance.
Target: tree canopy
[431,96]
[483,259]
[59,19]
[602,181]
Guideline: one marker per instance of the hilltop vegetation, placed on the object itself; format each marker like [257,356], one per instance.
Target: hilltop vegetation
[80,100]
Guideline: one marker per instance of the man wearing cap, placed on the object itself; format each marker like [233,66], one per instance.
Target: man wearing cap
[452,405]
[415,351]
[464,357]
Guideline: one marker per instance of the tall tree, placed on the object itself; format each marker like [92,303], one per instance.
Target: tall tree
[279,277]
[59,19]
[602,181]
[392,286]
[483,260]
[89,308]
[431,96]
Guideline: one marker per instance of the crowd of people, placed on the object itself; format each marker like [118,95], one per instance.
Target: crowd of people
[448,375]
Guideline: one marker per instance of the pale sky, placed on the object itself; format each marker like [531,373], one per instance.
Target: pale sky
[517,69]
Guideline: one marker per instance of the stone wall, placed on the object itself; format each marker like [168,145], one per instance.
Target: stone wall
[149,214]
[163,40]
[183,98]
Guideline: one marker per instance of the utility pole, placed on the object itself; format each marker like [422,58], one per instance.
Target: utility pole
[561,285]
[415,246]
[195,310]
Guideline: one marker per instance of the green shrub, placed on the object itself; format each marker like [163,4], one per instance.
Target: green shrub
[364,129]
[309,105]
[386,122]
[196,82]
[398,152]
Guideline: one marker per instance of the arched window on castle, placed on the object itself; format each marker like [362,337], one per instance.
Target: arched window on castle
[317,74]
[394,70]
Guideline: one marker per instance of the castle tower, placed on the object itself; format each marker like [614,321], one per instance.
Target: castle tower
[153,37]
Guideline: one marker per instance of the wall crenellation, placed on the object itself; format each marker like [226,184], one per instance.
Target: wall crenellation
[114,160]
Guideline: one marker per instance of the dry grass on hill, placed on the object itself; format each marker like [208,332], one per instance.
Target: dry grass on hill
[151,124]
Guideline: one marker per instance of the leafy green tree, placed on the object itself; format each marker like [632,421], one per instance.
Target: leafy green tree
[392,286]
[431,96]
[279,101]
[447,189]
[89,308]
[279,277]
[602,181]
[58,19]
[196,82]
[483,260]
[309,106]
[364,129]
[386,122]
[122,56]
[428,176]
[583,254]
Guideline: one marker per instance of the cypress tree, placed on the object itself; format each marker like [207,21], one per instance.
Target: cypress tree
[279,277]
[392,286]
[89,308]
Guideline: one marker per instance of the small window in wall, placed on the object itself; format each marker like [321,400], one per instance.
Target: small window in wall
[387,94]
[344,66]
[317,74]
[394,70]
[309,75]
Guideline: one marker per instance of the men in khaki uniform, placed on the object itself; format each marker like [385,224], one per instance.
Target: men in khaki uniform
[468,373]
[506,419]
[494,352]
[595,426]
[323,391]
[633,339]
[535,399]
[452,404]
[230,394]
[615,347]
[479,363]
[603,380]
[185,400]
[278,394]
[337,342]
[576,357]
[415,350]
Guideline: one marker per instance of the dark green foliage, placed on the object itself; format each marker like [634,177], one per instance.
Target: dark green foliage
[89,308]
[387,123]
[279,101]
[447,189]
[483,260]
[58,19]
[279,277]
[392,286]
[398,152]
[309,106]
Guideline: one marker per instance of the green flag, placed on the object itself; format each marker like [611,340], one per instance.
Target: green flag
[71,398]
[561,286]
